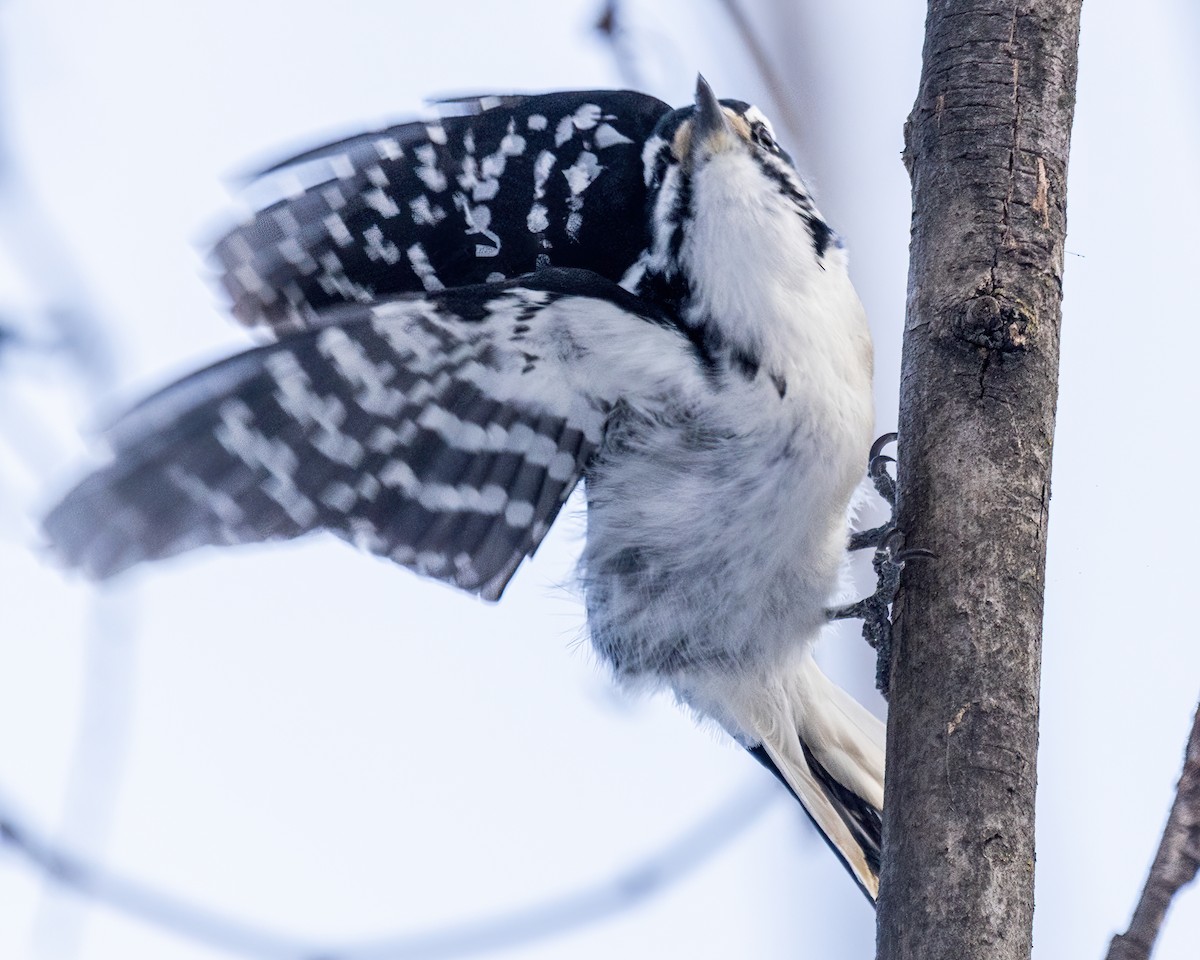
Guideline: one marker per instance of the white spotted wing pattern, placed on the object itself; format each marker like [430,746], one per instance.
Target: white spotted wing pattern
[504,186]
[440,431]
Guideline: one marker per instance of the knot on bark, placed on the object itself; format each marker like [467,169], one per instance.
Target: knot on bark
[998,848]
[995,324]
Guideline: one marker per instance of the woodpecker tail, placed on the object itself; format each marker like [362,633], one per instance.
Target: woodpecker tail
[828,750]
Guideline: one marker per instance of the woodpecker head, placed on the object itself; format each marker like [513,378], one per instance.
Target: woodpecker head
[719,181]
[691,135]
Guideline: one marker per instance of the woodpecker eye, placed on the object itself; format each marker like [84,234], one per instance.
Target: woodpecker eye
[762,136]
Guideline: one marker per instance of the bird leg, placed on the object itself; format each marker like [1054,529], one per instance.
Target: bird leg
[888,562]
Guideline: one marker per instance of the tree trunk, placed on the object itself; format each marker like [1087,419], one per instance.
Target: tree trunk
[986,146]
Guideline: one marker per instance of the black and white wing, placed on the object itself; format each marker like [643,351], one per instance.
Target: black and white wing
[443,431]
[510,185]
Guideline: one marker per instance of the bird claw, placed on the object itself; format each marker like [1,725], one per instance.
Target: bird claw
[877,463]
[885,486]
[875,610]
[888,562]
[880,443]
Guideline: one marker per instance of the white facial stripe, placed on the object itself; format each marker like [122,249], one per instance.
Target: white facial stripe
[754,115]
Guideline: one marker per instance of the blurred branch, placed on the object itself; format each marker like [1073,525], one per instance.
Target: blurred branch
[94,770]
[68,326]
[74,327]
[44,258]
[667,866]
[1175,865]
[139,900]
[766,68]
[611,26]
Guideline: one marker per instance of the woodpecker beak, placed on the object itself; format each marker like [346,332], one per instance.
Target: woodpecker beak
[711,121]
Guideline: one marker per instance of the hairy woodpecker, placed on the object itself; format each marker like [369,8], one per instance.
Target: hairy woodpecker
[473,314]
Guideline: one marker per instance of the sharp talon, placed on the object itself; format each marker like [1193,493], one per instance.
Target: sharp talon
[878,445]
[889,559]
[881,479]
[914,553]
[885,487]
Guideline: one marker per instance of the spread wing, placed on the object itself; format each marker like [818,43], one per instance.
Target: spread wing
[506,186]
[442,431]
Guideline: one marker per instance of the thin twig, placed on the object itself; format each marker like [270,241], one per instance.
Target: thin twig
[770,76]
[96,764]
[588,905]
[611,26]
[71,324]
[70,327]
[1175,865]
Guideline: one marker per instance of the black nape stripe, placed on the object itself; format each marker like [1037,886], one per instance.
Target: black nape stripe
[681,212]
[822,234]
[672,292]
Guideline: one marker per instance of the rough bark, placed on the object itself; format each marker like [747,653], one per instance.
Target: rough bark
[1175,865]
[986,146]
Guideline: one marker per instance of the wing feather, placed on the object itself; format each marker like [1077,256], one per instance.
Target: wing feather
[443,432]
[509,185]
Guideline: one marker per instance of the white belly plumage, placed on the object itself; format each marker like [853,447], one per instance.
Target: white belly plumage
[714,550]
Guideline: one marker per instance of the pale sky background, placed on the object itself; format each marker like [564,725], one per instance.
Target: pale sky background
[323,745]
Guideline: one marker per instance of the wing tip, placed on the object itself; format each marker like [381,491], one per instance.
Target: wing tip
[80,533]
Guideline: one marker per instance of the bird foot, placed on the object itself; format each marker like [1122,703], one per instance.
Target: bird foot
[885,486]
[888,562]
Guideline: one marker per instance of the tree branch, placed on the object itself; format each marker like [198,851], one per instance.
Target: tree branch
[1175,865]
[564,913]
[986,146]
[780,94]
[611,26]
